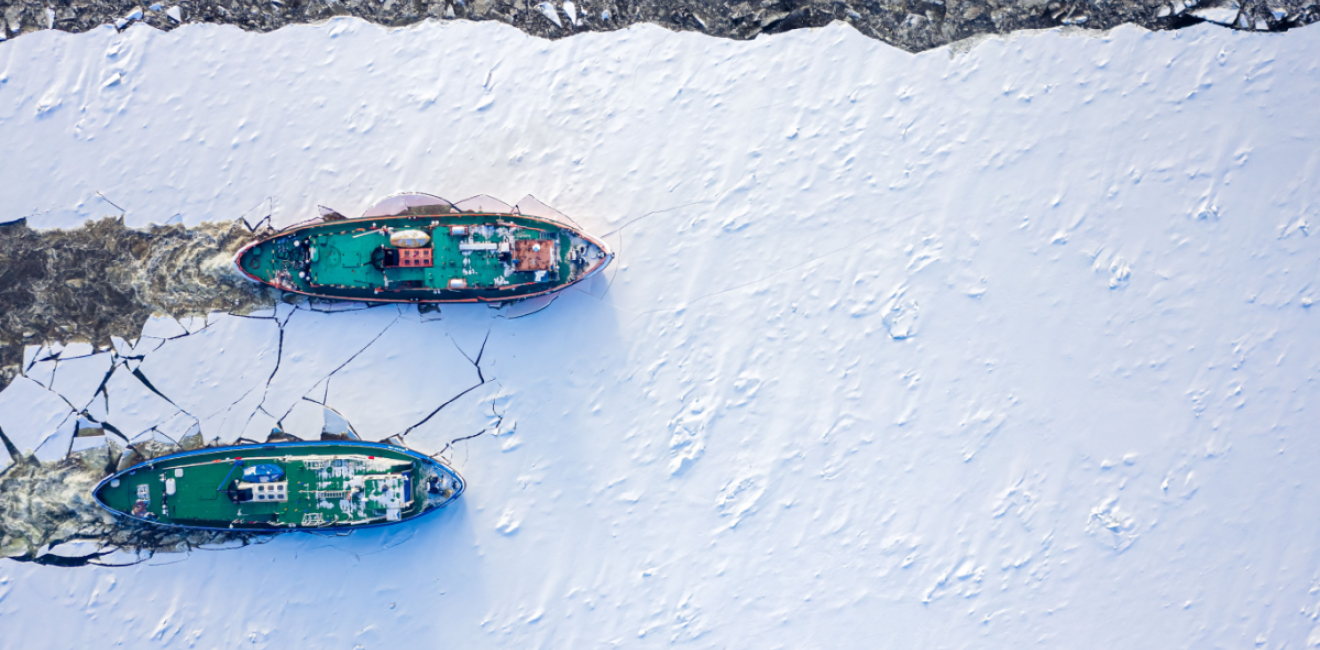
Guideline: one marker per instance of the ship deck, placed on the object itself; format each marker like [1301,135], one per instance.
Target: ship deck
[323,487]
[336,259]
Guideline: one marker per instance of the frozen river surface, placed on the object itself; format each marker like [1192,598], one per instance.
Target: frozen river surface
[1009,346]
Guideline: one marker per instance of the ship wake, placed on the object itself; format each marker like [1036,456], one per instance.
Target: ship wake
[105,279]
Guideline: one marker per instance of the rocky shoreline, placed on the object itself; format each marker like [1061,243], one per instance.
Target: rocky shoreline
[913,25]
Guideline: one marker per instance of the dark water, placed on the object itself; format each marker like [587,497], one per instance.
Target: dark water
[104,279]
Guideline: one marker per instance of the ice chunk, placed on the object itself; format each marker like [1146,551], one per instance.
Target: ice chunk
[128,18]
[78,378]
[529,306]
[30,415]
[163,327]
[533,207]
[308,367]
[42,369]
[122,348]
[59,443]
[548,10]
[305,420]
[402,203]
[239,355]
[88,435]
[31,353]
[1224,15]
[77,349]
[483,203]
[335,424]
[133,407]
[477,413]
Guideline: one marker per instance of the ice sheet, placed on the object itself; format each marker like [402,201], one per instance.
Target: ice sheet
[1010,346]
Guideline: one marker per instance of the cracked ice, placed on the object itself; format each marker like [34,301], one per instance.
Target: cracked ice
[107,410]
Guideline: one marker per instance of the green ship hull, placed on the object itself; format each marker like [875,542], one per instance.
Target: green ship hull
[286,486]
[421,249]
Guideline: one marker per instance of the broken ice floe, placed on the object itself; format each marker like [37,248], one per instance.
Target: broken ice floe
[35,418]
[269,379]
[548,10]
[1224,14]
[483,203]
[128,19]
[103,280]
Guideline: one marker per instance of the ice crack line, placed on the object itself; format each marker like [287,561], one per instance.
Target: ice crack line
[499,421]
[279,357]
[481,381]
[477,363]
[137,372]
[268,201]
[619,231]
[438,408]
[325,397]
[15,455]
[122,211]
[117,361]
[662,211]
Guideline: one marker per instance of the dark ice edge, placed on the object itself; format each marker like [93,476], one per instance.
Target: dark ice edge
[462,485]
[913,25]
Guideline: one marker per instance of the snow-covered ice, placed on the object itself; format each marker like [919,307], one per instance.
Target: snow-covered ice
[1011,344]
[34,418]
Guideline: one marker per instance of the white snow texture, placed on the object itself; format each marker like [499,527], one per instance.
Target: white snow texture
[1006,345]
